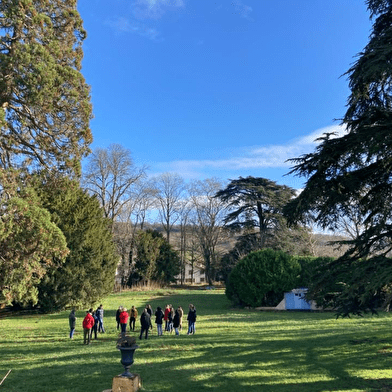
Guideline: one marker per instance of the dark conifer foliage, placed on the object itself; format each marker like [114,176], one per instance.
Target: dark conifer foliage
[255,203]
[356,169]
[45,104]
[156,260]
[88,273]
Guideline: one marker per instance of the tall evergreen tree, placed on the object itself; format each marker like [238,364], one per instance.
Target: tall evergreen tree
[89,270]
[255,203]
[29,241]
[44,101]
[156,260]
[356,169]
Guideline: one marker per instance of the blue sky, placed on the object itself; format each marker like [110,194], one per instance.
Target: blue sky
[223,88]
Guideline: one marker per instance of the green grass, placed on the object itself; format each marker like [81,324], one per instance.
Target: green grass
[232,350]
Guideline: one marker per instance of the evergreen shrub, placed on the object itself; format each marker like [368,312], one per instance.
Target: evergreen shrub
[262,277]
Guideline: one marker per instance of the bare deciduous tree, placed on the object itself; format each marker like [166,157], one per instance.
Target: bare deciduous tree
[169,190]
[110,173]
[208,215]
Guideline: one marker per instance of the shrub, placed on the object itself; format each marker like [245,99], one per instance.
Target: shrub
[262,277]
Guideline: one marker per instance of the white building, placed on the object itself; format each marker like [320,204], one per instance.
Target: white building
[196,276]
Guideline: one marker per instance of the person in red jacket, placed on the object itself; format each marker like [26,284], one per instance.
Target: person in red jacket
[88,323]
[166,317]
[124,320]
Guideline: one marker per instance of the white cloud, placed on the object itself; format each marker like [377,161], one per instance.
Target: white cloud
[154,9]
[125,25]
[273,156]
[144,13]
[243,10]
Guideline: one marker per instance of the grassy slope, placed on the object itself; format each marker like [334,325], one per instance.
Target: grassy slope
[233,350]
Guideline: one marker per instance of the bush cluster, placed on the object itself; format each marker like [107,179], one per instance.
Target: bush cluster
[262,277]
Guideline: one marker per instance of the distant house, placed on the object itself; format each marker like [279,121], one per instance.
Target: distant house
[195,277]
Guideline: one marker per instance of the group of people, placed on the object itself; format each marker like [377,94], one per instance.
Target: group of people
[92,323]
[172,318]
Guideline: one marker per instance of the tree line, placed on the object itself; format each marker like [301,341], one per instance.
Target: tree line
[60,232]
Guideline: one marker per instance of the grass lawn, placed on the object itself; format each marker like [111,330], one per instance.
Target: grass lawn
[232,350]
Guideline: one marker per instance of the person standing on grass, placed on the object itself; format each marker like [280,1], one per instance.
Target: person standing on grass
[124,320]
[181,313]
[166,317]
[119,310]
[170,318]
[149,310]
[176,321]
[159,320]
[145,321]
[72,323]
[88,323]
[191,320]
[95,326]
[99,313]
[132,320]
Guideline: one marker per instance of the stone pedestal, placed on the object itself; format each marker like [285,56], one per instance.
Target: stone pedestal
[126,384]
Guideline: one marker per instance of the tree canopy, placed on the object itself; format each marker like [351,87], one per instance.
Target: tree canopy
[356,168]
[88,272]
[110,175]
[155,259]
[29,241]
[255,203]
[45,104]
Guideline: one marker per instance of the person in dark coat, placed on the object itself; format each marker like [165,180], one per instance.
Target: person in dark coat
[176,321]
[191,320]
[159,320]
[99,313]
[72,323]
[145,321]
[95,326]
[119,310]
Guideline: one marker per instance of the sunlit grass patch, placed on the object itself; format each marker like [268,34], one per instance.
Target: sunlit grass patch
[232,350]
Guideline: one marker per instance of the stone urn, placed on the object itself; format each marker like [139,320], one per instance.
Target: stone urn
[127,346]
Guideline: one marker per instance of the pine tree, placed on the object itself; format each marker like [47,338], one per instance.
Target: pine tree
[44,101]
[356,169]
[29,241]
[88,273]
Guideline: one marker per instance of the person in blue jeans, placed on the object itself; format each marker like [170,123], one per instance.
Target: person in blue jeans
[99,314]
[191,320]
[72,323]
[159,320]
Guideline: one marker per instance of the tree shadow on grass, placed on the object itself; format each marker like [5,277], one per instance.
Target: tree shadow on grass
[231,351]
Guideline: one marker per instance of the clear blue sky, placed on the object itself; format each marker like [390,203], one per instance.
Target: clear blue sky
[223,88]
